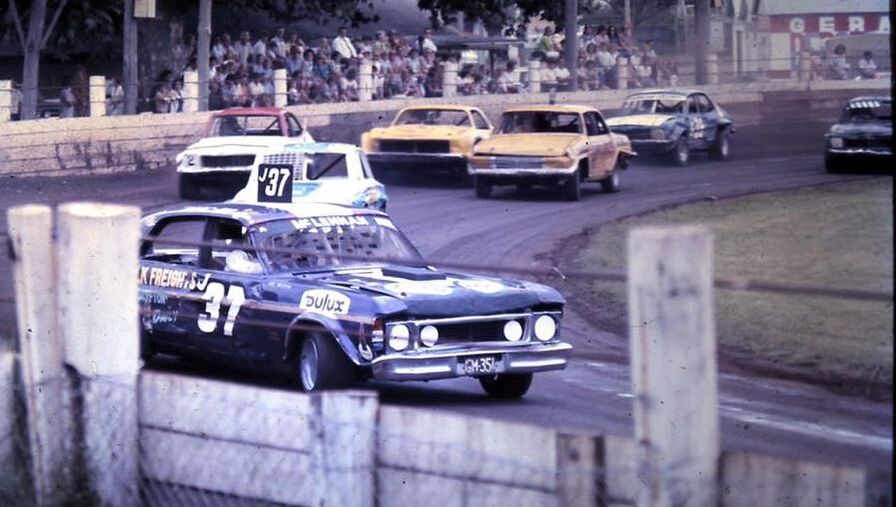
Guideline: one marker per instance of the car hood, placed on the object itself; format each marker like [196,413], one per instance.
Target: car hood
[544,145]
[328,190]
[639,120]
[858,130]
[424,292]
[420,132]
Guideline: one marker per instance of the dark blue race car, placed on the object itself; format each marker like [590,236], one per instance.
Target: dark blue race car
[863,137]
[334,294]
[674,123]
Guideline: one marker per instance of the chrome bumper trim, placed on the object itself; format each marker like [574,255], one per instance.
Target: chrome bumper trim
[861,151]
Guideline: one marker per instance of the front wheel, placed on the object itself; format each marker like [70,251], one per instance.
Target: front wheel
[719,148]
[323,365]
[681,154]
[187,188]
[572,189]
[832,164]
[483,187]
[506,385]
[610,184]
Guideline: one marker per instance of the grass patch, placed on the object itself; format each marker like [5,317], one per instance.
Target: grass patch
[834,235]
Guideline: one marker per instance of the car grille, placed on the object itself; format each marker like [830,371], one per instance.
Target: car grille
[227,160]
[282,158]
[637,135]
[517,163]
[419,146]
[471,332]
[879,143]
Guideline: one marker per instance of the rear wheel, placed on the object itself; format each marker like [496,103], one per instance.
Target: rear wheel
[147,351]
[524,188]
[610,184]
[572,188]
[187,188]
[681,154]
[483,187]
[323,365]
[719,148]
[506,385]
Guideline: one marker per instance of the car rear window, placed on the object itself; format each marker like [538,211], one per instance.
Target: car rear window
[245,125]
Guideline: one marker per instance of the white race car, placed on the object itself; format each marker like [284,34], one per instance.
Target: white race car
[334,173]
[223,158]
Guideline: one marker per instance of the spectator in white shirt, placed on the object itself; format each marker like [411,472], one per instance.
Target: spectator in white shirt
[425,42]
[279,42]
[343,45]
[260,46]
[867,67]
[243,48]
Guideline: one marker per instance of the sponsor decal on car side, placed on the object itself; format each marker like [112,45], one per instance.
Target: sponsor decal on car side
[173,278]
[324,301]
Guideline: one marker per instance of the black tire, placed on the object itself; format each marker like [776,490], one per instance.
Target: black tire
[720,147]
[506,385]
[147,351]
[610,184]
[681,153]
[187,188]
[572,188]
[483,187]
[524,188]
[832,164]
[323,365]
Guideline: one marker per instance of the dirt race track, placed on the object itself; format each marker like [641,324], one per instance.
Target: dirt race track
[447,222]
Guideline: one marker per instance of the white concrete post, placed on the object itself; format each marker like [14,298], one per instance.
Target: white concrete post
[44,380]
[621,73]
[98,320]
[97,96]
[449,80]
[344,422]
[712,68]
[670,305]
[280,87]
[5,100]
[534,76]
[191,92]
[365,82]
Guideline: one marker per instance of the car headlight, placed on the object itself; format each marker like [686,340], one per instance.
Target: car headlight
[545,328]
[836,142]
[513,331]
[657,133]
[399,337]
[429,335]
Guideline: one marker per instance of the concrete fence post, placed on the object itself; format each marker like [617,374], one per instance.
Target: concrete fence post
[534,76]
[5,101]
[344,448]
[712,68]
[97,95]
[365,82]
[97,264]
[280,87]
[45,385]
[191,92]
[670,305]
[621,73]
[449,83]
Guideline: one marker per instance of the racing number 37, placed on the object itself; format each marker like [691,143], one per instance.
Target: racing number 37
[275,183]
[214,296]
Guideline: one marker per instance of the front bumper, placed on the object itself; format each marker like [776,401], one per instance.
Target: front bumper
[426,160]
[860,152]
[653,146]
[447,362]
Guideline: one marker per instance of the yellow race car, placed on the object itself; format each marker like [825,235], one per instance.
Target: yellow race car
[553,145]
[429,137]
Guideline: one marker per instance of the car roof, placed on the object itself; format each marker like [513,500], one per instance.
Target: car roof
[253,214]
[554,108]
[243,111]
[684,92]
[441,107]
[343,148]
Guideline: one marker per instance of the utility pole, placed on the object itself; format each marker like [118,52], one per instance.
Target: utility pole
[571,44]
[203,42]
[628,14]
[701,42]
[129,56]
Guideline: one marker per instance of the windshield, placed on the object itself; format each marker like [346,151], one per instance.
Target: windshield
[868,111]
[249,125]
[322,242]
[433,117]
[320,165]
[670,105]
[547,122]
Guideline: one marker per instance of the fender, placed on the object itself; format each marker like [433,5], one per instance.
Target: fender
[330,325]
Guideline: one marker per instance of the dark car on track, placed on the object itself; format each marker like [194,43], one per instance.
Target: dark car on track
[334,294]
[863,135]
[674,123]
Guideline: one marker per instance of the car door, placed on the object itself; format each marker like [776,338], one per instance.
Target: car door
[696,124]
[710,116]
[233,275]
[481,124]
[169,276]
[602,148]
